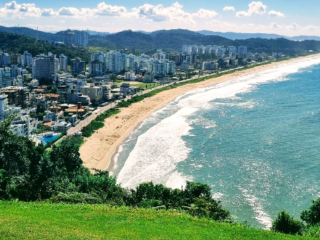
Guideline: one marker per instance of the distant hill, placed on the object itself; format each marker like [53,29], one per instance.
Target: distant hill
[302,38]
[14,43]
[234,35]
[173,40]
[29,32]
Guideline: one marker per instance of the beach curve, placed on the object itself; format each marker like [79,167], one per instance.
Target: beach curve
[97,150]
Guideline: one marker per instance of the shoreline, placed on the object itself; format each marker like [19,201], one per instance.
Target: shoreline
[98,151]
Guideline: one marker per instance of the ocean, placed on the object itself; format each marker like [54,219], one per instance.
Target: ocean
[255,140]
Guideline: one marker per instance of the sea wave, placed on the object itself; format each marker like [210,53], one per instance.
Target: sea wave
[160,148]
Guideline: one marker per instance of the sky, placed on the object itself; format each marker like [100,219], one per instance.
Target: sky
[285,17]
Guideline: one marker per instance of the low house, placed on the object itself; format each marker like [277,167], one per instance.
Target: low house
[125,88]
[61,126]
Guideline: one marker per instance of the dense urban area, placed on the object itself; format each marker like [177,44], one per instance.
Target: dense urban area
[50,94]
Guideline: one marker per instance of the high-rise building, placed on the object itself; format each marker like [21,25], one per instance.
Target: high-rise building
[77,65]
[160,55]
[16,95]
[5,59]
[242,51]
[3,106]
[15,58]
[45,66]
[5,77]
[69,37]
[232,51]
[130,62]
[116,62]
[63,62]
[26,59]
[97,68]
[82,38]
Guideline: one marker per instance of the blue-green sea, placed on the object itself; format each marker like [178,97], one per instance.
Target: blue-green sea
[254,139]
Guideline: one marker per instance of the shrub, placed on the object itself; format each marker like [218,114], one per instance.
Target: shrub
[76,198]
[312,215]
[284,223]
[313,231]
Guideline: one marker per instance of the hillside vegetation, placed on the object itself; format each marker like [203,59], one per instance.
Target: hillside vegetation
[170,40]
[64,221]
[173,40]
[16,43]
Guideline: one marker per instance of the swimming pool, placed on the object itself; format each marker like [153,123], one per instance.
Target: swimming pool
[45,140]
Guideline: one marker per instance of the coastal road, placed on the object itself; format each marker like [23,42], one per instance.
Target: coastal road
[99,110]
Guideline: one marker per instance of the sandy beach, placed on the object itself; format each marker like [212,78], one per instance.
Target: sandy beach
[97,151]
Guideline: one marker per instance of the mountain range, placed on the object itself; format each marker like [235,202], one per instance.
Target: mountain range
[172,40]
[57,36]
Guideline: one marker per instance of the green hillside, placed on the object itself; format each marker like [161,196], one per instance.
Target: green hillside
[63,221]
[15,43]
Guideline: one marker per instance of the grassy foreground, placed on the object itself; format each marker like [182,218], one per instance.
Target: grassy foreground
[20,220]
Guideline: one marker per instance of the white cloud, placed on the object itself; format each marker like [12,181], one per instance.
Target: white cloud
[159,13]
[273,13]
[294,27]
[11,6]
[274,25]
[48,12]
[109,10]
[18,10]
[229,8]
[68,11]
[203,13]
[255,8]
[312,28]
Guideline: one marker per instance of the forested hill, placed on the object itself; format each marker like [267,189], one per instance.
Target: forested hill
[169,40]
[14,43]
[174,39]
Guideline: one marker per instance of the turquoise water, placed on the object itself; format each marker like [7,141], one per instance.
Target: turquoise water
[255,140]
[45,140]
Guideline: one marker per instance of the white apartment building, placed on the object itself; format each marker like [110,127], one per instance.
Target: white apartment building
[242,51]
[130,76]
[24,126]
[94,93]
[45,66]
[116,61]
[159,55]
[99,56]
[130,62]
[232,50]
[26,59]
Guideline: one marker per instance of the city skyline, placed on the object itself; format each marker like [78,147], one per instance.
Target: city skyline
[268,16]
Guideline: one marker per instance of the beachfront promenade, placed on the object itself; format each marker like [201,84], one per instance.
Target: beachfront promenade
[100,110]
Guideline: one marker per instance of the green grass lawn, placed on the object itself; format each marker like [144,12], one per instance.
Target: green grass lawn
[63,221]
[146,86]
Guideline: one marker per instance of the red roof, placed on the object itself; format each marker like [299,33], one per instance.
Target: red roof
[40,90]
[48,124]
[52,95]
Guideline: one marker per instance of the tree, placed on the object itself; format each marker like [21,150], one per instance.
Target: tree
[312,215]
[113,77]
[284,223]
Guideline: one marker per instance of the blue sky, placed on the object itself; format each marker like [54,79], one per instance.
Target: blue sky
[287,17]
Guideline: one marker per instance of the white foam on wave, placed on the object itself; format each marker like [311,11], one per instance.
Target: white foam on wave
[260,215]
[157,152]
[159,149]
